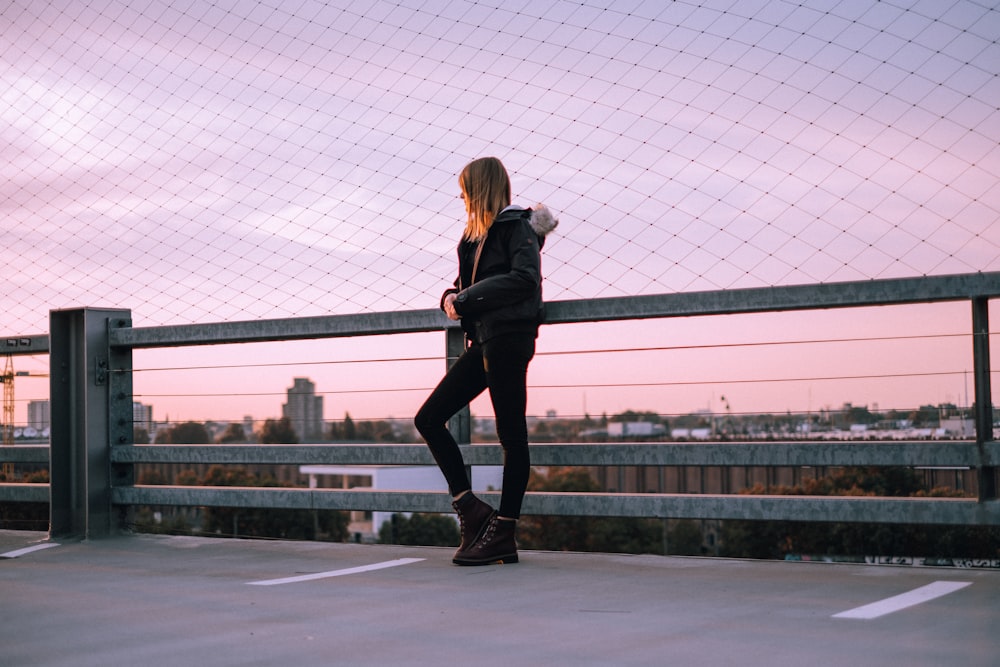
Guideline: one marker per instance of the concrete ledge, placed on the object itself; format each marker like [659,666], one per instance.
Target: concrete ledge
[156,600]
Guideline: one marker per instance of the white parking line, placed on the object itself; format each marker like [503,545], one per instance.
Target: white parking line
[336,573]
[28,550]
[904,600]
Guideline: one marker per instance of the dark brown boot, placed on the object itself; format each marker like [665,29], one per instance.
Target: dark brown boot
[496,545]
[473,514]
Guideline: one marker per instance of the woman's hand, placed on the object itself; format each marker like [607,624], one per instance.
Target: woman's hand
[449,308]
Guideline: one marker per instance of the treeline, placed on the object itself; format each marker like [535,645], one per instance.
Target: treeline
[279,432]
[290,524]
[559,533]
[792,539]
[26,516]
[746,539]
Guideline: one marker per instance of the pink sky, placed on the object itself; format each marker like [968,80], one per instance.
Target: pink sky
[202,162]
[709,366]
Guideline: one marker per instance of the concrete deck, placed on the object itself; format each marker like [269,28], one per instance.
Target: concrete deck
[155,600]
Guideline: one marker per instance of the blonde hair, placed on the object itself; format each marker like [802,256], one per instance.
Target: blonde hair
[486,190]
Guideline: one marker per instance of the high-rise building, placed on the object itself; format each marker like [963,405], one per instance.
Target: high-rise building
[248,427]
[142,417]
[304,410]
[39,416]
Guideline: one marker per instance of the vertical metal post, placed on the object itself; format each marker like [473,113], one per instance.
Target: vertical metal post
[460,425]
[79,456]
[984,401]
[121,417]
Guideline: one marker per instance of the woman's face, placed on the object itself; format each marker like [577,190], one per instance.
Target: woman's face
[465,198]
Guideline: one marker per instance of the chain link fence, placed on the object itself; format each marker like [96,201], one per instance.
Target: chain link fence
[222,161]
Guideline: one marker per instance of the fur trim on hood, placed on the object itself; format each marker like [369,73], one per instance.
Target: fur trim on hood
[543,220]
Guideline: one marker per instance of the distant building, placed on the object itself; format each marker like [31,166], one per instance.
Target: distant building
[39,415]
[304,410]
[635,429]
[142,417]
[958,427]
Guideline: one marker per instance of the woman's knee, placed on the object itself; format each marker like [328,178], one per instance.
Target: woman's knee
[422,421]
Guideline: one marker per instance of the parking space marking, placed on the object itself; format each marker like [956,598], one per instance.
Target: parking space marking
[336,573]
[28,550]
[904,600]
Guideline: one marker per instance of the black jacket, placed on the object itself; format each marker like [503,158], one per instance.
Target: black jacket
[506,296]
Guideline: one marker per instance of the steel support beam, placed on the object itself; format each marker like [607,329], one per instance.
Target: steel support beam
[984,400]
[81,433]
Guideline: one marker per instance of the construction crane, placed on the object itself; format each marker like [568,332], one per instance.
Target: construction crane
[8,412]
[7,421]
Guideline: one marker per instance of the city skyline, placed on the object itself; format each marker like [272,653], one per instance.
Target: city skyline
[944,420]
[899,357]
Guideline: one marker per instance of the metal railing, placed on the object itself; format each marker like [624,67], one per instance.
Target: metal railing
[92,461]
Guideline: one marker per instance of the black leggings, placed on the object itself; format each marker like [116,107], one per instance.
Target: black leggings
[500,365]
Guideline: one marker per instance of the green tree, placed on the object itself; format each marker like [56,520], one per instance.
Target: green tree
[780,539]
[348,430]
[187,433]
[24,516]
[328,525]
[541,432]
[382,431]
[148,476]
[278,432]
[570,533]
[186,478]
[633,416]
[433,530]
[364,431]
[151,520]
[233,433]
[345,429]
[685,538]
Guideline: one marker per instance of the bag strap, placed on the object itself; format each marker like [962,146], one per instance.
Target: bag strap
[475,264]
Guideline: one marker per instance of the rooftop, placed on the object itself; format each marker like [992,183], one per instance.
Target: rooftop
[157,600]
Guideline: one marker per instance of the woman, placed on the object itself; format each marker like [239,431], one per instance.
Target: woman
[498,299]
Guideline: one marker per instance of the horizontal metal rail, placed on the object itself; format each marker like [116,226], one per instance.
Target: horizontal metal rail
[24,493]
[901,453]
[694,506]
[24,454]
[21,345]
[893,291]
[961,453]
[950,511]
[683,304]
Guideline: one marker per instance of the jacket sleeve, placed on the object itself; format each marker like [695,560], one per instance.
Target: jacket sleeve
[519,283]
[454,289]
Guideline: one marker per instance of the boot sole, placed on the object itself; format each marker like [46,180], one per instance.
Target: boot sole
[508,559]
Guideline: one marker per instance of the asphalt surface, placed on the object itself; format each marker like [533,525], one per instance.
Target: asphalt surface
[156,600]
